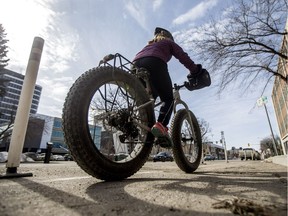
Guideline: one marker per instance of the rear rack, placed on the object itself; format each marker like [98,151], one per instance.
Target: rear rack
[119,61]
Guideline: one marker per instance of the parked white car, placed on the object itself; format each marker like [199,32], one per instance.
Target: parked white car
[248,153]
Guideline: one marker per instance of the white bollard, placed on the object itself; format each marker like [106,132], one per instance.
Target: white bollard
[23,110]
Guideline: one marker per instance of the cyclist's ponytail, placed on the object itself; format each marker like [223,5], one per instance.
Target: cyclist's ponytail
[158,38]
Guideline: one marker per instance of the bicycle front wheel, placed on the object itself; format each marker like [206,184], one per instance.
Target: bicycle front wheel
[105,119]
[187,142]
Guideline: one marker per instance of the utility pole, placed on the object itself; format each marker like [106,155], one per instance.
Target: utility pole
[262,101]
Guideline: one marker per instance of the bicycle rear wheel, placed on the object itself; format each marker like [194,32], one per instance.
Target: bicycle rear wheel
[187,142]
[103,124]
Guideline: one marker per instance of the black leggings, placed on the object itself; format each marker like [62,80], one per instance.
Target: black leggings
[161,85]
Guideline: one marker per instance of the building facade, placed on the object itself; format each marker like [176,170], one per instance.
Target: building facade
[51,131]
[13,87]
[280,94]
[209,148]
[42,129]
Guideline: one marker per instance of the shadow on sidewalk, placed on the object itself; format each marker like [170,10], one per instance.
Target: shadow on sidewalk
[158,196]
[109,198]
[216,186]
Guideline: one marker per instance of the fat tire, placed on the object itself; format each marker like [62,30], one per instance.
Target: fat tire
[76,131]
[179,156]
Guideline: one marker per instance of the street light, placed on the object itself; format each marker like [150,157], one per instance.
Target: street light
[262,101]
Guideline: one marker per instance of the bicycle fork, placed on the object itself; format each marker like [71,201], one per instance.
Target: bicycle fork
[178,101]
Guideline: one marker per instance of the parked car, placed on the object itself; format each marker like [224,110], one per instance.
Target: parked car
[257,156]
[163,156]
[209,157]
[59,149]
[32,155]
[41,157]
[57,158]
[248,153]
[68,157]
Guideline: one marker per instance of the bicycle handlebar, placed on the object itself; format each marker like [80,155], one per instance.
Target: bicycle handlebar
[178,87]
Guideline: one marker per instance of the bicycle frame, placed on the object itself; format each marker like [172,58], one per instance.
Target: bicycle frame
[112,96]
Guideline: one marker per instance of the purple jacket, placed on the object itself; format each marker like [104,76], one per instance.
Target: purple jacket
[164,50]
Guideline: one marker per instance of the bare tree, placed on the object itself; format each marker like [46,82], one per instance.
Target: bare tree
[204,128]
[6,129]
[267,143]
[244,44]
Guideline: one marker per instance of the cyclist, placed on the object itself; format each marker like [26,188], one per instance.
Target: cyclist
[154,58]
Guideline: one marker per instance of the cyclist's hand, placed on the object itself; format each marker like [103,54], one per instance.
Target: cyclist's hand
[193,78]
[190,86]
[196,72]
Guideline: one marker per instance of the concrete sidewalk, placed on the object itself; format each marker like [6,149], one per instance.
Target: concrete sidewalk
[62,188]
[281,160]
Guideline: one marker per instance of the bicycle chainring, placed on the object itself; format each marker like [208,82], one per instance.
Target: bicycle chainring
[122,121]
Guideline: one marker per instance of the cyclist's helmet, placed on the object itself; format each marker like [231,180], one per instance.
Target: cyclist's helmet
[163,32]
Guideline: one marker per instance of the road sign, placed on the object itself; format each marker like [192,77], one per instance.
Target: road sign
[262,100]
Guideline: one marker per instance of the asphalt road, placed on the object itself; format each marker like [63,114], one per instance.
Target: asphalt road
[216,188]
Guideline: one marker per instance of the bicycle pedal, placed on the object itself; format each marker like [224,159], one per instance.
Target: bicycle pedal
[163,142]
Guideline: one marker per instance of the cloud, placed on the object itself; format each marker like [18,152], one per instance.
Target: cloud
[195,13]
[135,9]
[32,19]
[55,88]
[54,91]
[157,4]
[60,51]
[36,18]
[141,11]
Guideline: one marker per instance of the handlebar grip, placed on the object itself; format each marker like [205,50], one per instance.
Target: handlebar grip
[178,87]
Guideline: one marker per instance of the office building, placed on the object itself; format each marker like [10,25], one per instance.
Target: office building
[13,87]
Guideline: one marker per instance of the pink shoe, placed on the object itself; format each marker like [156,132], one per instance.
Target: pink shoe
[158,130]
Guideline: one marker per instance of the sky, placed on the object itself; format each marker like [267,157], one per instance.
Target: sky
[78,33]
